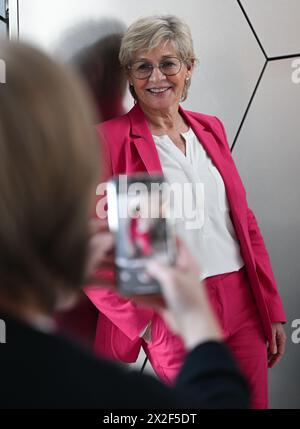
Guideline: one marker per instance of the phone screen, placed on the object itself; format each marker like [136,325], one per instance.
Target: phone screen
[143,232]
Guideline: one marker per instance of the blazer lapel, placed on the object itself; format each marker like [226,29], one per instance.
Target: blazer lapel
[212,148]
[143,141]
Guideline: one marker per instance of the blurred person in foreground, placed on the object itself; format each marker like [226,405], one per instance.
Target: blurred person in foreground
[92,49]
[49,168]
[159,136]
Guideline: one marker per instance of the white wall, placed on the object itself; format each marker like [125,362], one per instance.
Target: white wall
[221,36]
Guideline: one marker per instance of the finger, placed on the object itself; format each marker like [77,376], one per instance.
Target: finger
[271,359]
[159,271]
[185,259]
[97,225]
[281,344]
[170,320]
[102,243]
[273,345]
[273,348]
[269,351]
[182,253]
[274,360]
[97,254]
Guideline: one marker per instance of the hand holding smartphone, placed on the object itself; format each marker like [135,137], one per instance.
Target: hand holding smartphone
[138,215]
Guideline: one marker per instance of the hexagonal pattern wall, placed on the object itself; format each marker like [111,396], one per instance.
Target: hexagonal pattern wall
[267,153]
[277,24]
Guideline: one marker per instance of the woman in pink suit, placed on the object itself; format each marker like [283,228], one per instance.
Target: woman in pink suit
[139,232]
[158,135]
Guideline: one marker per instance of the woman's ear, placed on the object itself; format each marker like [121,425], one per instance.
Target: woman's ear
[191,64]
[189,72]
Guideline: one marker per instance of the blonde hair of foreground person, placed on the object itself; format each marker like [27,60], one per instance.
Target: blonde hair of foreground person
[48,173]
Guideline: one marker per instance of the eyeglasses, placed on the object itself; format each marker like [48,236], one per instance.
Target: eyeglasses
[169,66]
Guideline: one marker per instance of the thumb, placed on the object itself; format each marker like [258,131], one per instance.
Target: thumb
[273,347]
[159,271]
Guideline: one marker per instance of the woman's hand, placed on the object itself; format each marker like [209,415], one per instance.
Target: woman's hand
[187,309]
[276,348]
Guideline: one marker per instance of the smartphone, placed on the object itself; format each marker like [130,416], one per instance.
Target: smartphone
[138,215]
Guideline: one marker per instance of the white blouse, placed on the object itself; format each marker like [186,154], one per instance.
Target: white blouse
[199,205]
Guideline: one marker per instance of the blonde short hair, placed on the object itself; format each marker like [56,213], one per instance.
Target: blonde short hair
[149,32]
[48,168]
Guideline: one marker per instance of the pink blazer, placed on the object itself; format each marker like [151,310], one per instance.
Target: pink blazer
[130,148]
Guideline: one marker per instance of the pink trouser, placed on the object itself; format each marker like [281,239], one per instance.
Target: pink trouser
[231,297]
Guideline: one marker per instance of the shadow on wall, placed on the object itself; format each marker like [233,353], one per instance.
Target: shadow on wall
[92,48]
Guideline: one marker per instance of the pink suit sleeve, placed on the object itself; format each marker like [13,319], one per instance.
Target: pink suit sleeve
[124,313]
[262,260]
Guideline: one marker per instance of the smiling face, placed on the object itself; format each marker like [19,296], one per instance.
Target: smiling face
[159,92]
